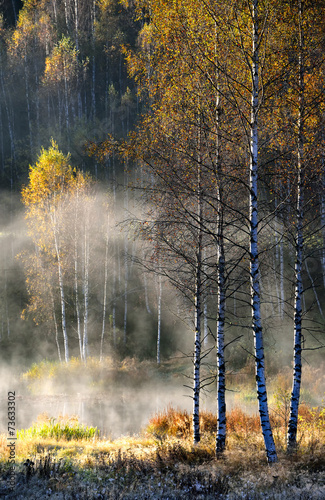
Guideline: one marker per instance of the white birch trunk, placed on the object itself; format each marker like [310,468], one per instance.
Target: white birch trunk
[297,365]
[76,288]
[76,23]
[114,300]
[93,80]
[254,255]
[55,327]
[197,345]
[86,291]
[28,106]
[126,265]
[66,13]
[105,290]
[221,380]
[62,297]
[281,276]
[146,292]
[205,320]
[197,304]
[115,244]
[37,105]
[221,368]
[66,97]
[55,11]
[159,316]
[323,220]
[205,305]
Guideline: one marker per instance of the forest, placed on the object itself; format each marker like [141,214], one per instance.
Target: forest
[162,169]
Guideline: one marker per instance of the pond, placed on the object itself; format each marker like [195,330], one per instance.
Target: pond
[124,412]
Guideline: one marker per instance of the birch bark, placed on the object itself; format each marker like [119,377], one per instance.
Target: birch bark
[86,288]
[254,254]
[62,296]
[105,289]
[297,368]
[198,297]
[76,287]
[159,316]
[221,380]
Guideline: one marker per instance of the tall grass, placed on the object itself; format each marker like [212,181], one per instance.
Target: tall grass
[61,456]
[241,426]
[65,428]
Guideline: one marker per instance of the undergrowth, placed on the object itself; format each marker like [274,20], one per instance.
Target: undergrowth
[66,428]
[63,458]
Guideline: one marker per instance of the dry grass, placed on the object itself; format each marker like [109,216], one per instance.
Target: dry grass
[162,462]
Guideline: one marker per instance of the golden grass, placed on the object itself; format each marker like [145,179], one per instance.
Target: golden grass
[171,432]
[164,455]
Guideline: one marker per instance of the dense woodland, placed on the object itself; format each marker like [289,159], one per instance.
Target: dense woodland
[169,158]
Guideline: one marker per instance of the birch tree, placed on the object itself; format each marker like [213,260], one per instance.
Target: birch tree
[184,140]
[254,251]
[51,179]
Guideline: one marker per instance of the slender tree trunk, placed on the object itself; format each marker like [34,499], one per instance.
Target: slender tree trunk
[205,320]
[76,22]
[37,105]
[279,261]
[254,255]
[159,296]
[205,304]
[221,381]
[6,306]
[114,298]
[323,218]
[297,365]
[55,326]
[2,143]
[14,9]
[146,291]
[126,265]
[66,103]
[198,300]
[76,287]
[55,11]
[115,244]
[66,13]
[28,106]
[86,290]
[281,276]
[93,79]
[197,343]
[62,297]
[105,290]
[10,126]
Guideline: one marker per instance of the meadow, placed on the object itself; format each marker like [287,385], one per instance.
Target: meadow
[63,458]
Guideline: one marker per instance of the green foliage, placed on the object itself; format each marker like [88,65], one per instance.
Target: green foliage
[66,429]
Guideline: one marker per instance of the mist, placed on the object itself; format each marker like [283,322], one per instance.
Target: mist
[120,407]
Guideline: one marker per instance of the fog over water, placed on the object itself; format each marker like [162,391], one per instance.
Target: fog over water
[122,412]
[119,409]
[125,413]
